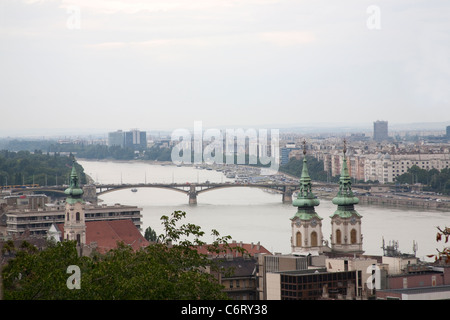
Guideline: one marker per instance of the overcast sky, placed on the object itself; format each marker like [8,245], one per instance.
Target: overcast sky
[163,64]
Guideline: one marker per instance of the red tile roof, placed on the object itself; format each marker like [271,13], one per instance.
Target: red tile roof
[251,248]
[107,233]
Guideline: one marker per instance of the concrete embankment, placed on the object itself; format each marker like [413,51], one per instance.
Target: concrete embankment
[390,201]
[406,202]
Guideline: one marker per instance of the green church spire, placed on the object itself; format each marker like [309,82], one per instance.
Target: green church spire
[345,199]
[306,200]
[74,192]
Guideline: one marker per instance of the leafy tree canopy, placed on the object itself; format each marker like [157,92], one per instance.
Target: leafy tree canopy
[170,269]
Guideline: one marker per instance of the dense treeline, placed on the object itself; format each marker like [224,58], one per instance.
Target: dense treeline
[24,167]
[315,168]
[433,180]
[25,145]
[94,151]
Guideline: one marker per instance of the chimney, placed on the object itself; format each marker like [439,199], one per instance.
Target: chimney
[257,246]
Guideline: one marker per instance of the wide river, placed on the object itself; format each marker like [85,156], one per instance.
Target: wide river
[253,215]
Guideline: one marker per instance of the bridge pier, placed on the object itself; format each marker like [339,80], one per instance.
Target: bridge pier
[90,194]
[192,195]
[287,196]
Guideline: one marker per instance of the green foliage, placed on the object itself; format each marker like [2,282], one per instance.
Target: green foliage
[95,151]
[23,167]
[150,234]
[434,180]
[315,168]
[158,153]
[171,269]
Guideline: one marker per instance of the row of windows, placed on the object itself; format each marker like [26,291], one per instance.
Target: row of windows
[77,216]
[314,242]
[319,277]
[240,283]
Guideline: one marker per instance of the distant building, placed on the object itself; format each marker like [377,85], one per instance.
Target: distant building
[100,236]
[380,130]
[133,139]
[103,236]
[448,132]
[386,167]
[116,138]
[285,153]
[238,277]
[313,284]
[251,250]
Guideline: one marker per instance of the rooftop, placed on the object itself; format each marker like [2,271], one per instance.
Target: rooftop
[108,233]
[416,290]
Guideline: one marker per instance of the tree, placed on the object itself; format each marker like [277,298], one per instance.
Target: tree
[150,234]
[315,168]
[444,254]
[170,269]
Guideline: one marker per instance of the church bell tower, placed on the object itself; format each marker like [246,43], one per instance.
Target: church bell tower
[307,237]
[346,234]
[74,221]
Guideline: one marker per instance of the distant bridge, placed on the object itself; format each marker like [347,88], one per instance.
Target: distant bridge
[194,189]
[191,189]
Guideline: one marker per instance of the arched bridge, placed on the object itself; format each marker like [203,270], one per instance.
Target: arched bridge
[190,189]
[194,189]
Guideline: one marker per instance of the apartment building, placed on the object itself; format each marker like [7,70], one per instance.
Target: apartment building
[38,221]
[385,167]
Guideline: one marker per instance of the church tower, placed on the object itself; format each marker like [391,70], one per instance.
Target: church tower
[346,234]
[74,221]
[307,237]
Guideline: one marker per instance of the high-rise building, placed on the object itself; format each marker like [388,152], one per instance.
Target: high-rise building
[448,132]
[116,138]
[133,139]
[380,130]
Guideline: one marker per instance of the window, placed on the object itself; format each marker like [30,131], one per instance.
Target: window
[353,236]
[338,237]
[78,216]
[314,239]
[298,239]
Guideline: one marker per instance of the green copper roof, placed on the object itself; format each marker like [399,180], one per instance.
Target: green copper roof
[306,200]
[345,199]
[74,192]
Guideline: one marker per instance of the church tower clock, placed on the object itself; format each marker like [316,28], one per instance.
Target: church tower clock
[346,234]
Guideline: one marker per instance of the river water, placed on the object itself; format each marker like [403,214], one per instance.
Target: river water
[253,215]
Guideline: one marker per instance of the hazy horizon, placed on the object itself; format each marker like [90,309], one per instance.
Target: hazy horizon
[312,128]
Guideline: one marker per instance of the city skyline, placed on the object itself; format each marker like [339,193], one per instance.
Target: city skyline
[161,65]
